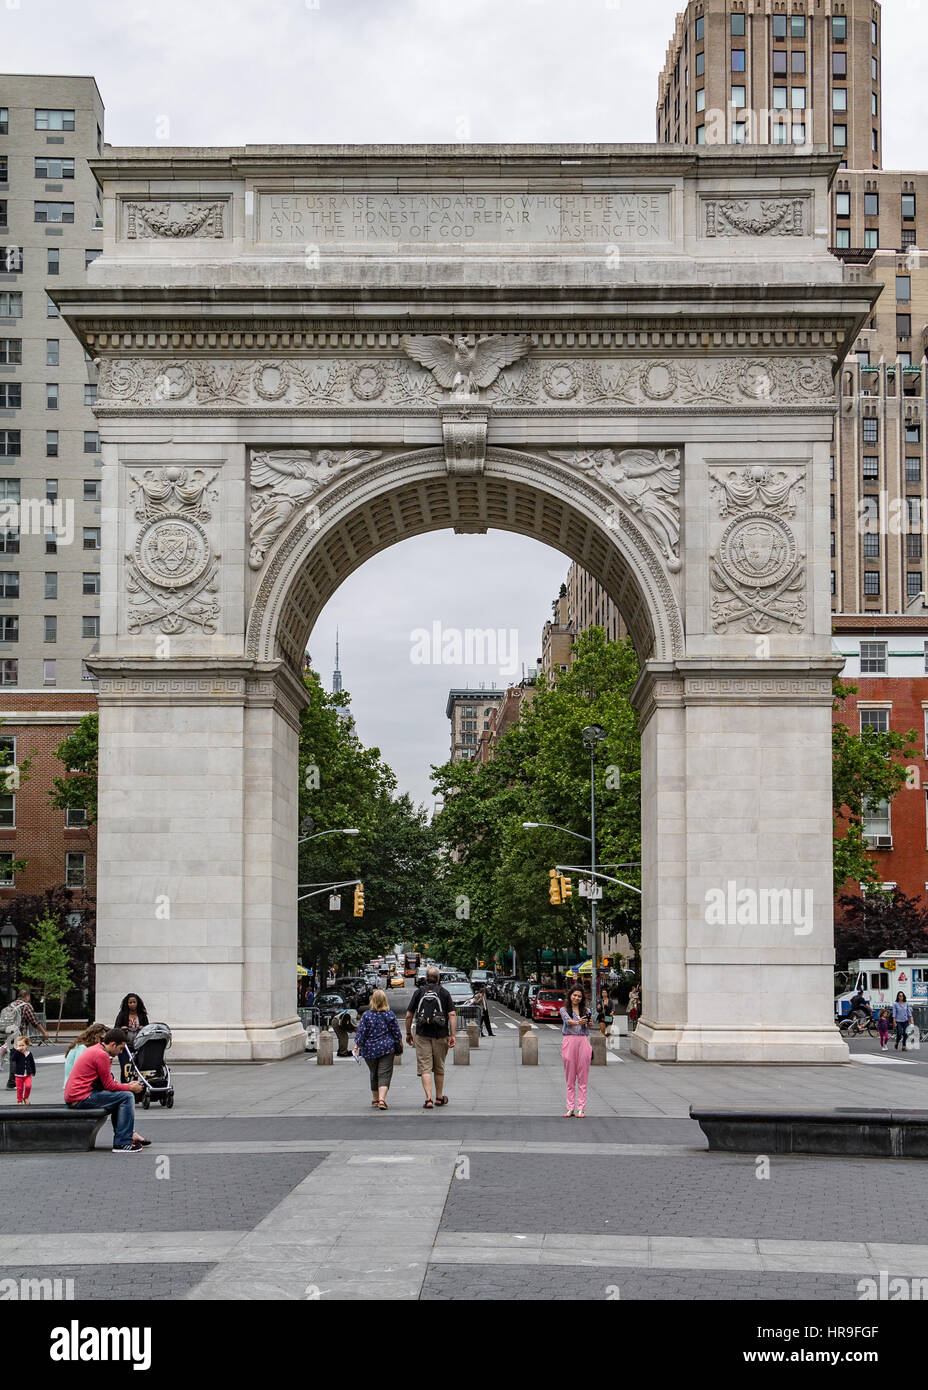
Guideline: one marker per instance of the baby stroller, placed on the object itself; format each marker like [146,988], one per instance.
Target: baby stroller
[146,1064]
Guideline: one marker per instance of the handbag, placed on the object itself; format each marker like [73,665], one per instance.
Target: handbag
[398,1048]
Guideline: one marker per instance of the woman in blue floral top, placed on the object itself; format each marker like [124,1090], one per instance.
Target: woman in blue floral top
[378,1040]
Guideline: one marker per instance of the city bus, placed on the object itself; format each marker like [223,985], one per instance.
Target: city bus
[411,963]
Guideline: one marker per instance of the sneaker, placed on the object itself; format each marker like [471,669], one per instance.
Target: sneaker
[127,1149]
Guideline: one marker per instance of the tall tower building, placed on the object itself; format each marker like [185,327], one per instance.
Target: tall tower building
[776,72]
[50,218]
[336,674]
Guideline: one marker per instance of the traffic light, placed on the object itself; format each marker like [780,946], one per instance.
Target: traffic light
[554,888]
[359,900]
[567,889]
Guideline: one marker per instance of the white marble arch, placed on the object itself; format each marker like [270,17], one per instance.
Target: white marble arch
[636,297]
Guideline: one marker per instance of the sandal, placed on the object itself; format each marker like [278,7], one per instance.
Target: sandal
[382,1105]
[568,1114]
[443,1100]
[428,1105]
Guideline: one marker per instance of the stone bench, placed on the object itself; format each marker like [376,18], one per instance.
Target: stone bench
[847,1131]
[48,1129]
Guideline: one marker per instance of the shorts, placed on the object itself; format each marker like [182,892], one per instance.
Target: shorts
[430,1055]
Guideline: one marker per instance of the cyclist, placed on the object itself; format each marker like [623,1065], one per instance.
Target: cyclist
[860,1005]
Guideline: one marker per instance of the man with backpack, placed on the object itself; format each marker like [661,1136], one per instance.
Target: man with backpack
[433,1010]
[17,1018]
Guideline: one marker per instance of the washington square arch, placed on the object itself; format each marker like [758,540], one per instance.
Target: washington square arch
[308,354]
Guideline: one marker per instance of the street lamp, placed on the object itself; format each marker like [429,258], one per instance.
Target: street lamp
[546,825]
[319,834]
[593,735]
[8,938]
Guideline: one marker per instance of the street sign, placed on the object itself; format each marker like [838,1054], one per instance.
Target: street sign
[335,902]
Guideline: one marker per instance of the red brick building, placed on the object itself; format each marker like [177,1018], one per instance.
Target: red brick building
[886,657]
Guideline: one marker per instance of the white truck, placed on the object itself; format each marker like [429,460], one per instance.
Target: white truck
[882,978]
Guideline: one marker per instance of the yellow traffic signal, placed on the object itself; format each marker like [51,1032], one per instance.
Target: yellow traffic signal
[359,900]
[554,888]
[567,888]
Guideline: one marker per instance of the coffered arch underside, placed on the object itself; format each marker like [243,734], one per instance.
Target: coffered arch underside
[412,494]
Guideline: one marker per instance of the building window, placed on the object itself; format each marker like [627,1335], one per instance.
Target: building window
[871,547]
[51,585]
[9,672]
[737,60]
[834,584]
[3,215]
[908,207]
[737,26]
[91,442]
[54,212]
[873,69]
[90,626]
[11,352]
[780,64]
[47,167]
[839,65]
[839,99]
[90,583]
[91,538]
[874,104]
[51,627]
[798,63]
[51,395]
[875,719]
[797,98]
[870,431]
[51,444]
[9,583]
[874,33]
[90,393]
[839,28]
[700,135]
[51,352]
[91,489]
[4,120]
[9,541]
[839,136]
[842,237]
[908,237]
[876,818]
[10,444]
[913,434]
[6,869]
[11,304]
[11,395]
[49,672]
[46,119]
[871,239]
[51,541]
[903,325]
[7,811]
[75,874]
[797,26]
[903,288]
[875,144]
[779,98]
[871,205]
[739,98]
[700,28]
[738,132]
[90,257]
[871,468]
[913,470]
[872,584]
[700,64]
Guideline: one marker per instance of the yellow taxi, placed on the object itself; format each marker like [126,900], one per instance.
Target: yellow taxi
[397,981]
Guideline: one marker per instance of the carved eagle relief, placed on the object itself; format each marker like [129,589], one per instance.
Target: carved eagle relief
[463,362]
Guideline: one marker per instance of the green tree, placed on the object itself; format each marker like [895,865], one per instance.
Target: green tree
[46,961]
[878,921]
[865,771]
[78,788]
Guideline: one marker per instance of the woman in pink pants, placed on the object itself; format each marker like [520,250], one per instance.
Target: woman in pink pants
[576,1051]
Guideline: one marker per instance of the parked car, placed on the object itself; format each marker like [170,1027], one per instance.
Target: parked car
[479,977]
[498,988]
[460,990]
[515,995]
[528,994]
[547,1003]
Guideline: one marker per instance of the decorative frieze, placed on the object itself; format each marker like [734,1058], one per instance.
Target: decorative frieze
[395,383]
[174,219]
[756,217]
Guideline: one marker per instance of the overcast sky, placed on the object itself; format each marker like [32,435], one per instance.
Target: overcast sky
[235,72]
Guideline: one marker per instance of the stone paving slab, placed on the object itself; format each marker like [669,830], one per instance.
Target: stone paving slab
[119,1283]
[701,1195]
[559,1282]
[89,1247]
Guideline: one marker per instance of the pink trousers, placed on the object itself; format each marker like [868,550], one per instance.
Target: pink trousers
[577,1054]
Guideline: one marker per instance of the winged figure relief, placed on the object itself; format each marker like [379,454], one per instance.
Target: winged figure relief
[464,363]
[647,481]
[283,482]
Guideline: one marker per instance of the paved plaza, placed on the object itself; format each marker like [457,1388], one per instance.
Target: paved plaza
[277,1181]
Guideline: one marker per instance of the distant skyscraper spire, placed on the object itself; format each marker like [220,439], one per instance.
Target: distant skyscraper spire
[336,674]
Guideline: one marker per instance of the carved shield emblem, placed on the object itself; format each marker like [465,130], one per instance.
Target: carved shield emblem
[758,545]
[172,547]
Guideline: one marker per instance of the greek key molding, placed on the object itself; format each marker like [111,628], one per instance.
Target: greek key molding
[395,384]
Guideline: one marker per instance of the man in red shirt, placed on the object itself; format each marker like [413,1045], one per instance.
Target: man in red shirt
[91,1087]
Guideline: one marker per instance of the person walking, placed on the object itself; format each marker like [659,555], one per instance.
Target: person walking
[132,1017]
[882,1024]
[902,1017]
[91,1086]
[23,1070]
[24,1020]
[605,1015]
[576,1050]
[480,999]
[378,1040]
[436,1022]
[634,1005]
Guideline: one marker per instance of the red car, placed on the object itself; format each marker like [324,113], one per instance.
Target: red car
[546,1005]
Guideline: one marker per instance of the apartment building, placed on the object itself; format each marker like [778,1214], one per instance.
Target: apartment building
[504,717]
[776,72]
[50,218]
[886,658]
[470,711]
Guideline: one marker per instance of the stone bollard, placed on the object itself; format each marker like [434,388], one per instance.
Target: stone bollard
[473,1035]
[325,1052]
[599,1049]
[530,1050]
[523,1029]
[461,1052]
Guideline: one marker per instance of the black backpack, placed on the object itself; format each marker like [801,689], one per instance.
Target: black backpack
[430,1014]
